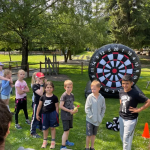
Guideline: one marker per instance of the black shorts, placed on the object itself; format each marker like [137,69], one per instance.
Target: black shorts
[67,124]
[91,129]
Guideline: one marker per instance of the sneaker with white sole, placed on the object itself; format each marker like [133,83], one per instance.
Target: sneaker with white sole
[28,122]
[17,126]
[35,135]
[63,148]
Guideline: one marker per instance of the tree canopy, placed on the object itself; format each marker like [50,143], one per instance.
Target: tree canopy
[73,24]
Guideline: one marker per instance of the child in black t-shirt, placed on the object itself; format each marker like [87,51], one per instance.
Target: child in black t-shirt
[129,99]
[38,90]
[50,110]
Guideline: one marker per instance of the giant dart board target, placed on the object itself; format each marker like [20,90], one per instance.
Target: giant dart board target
[110,63]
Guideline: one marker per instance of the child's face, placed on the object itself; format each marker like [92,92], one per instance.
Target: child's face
[21,75]
[95,89]
[9,76]
[127,85]
[49,89]
[40,80]
[1,67]
[68,88]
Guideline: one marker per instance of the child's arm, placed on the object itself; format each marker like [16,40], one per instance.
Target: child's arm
[39,91]
[61,106]
[57,107]
[19,91]
[88,107]
[103,109]
[3,78]
[26,89]
[5,84]
[38,110]
[137,110]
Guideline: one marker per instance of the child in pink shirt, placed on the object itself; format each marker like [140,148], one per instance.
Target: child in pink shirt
[21,89]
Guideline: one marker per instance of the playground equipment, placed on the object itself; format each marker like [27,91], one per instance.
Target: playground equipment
[51,67]
[109,64]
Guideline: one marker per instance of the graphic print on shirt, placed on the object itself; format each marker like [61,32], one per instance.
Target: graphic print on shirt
[68,103]
[47,102]
[22,87]
[124,100]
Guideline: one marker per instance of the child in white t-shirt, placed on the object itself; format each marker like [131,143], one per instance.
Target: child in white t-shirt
[21,89]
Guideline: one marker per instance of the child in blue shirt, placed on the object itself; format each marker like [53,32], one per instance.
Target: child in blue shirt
[6,86]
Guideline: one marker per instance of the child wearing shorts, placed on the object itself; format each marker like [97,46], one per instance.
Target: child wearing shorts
[6,86]
[95,109]
[50,110]
[3,78]
[66,106]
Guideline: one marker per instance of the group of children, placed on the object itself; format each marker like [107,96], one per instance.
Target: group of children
[46,107]
[44,102]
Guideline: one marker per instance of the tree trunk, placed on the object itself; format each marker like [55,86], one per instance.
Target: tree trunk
[9,56]
[24,54]
[65,56]
[69,53]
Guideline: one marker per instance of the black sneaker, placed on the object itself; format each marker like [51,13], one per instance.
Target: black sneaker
[17,126]
[28,122]
[87,149]
[92,148]
[35,135]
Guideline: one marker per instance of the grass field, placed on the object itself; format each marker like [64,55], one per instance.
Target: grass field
[105,139]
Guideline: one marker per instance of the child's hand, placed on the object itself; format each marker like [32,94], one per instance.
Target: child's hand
[38,117]
[45,80]
[41,81]
[75,111]
[71,111]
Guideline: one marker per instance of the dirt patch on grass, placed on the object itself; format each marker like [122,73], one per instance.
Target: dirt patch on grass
[60,77]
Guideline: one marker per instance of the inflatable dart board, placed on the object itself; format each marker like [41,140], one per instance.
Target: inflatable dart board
[110,63]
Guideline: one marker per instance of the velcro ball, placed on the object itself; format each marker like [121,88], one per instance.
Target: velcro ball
[109,125]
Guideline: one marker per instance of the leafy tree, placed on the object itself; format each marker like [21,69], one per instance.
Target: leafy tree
[128,21]
[22,18]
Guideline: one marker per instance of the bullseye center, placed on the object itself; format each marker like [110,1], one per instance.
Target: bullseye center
[114,70]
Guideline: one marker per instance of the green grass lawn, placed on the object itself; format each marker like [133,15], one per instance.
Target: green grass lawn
[37,58]
[105,139]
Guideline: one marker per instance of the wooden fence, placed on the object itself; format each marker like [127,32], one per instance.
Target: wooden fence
[29,68]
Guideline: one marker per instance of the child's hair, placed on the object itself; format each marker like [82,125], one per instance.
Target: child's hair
[33,81]
[21,70]
[49,83]
[68,82]
[127,78]
[5,119]
[96,83]
[6,72]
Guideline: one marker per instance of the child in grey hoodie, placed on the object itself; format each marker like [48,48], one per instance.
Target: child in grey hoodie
[95,109]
